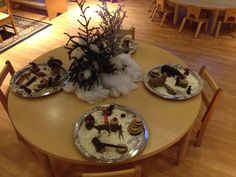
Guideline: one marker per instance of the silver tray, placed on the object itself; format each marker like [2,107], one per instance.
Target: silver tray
[82,137]
[16,87]
[180,95]
[131,47]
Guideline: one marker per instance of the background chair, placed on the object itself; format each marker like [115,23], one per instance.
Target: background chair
[230,17]
[210,103]
[130,32]
[152,5]
[194,15]
[6,16]
[133,172]
[8,69]
[161,6]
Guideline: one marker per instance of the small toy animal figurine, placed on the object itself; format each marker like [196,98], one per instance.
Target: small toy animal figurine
[186,71]
[177,82]
[108,110]
[114,124]
[189,90]
[101,147]
[170,71]
[35,67]
[106,127]
[89,122]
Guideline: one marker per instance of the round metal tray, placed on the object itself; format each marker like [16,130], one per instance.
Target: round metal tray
[16,87]
[82,137]
[132,45]
[182,96]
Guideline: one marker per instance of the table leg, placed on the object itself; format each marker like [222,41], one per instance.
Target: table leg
[214,22]
[182,147]
[45,162]
[176,13]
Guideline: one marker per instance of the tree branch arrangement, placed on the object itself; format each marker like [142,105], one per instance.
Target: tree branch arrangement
[111,26]
[93,47]
[100,67]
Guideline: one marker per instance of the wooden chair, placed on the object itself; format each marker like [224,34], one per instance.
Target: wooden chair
[8,69]
[194,15]
[210,103]
[162,6]
[52,7]
[133,172]
[6,16]
[152,5]
[130,32]
[230,17]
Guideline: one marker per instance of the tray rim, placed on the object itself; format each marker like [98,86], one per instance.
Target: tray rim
[173,97]
[128,156]
[134,45]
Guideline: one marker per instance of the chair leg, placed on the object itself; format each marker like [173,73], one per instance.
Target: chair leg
[14,27]
[182,24]
[163,19]
[199,138]
[218,29]
[199,26]
[201,132]
[206,25]
[154,12]
[151,6]
[1,40]
[190,23]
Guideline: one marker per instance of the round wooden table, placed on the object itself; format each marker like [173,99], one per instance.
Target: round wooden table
[213,5]
[47,123]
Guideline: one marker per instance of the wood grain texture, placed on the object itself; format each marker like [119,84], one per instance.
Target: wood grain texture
[217,155]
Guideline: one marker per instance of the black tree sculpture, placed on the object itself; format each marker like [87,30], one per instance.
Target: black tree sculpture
[97,46]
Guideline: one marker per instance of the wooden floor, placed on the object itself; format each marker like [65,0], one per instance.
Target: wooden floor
[216,157]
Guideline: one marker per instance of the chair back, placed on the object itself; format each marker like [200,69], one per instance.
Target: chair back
[130,32]
[4,5]
[161,5]
[210,103]
[133,172]
[230,16]
[8,69]
[193,13]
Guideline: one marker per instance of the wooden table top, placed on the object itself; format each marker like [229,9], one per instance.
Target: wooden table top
[47,123]
[208,4]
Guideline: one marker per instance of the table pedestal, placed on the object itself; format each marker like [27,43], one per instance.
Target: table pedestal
[46,163]
[183,147]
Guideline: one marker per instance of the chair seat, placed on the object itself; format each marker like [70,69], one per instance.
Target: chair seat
[3,16]
[200,19]
[169,10]
[221,19]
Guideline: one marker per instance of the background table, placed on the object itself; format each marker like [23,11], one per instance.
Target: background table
[213,5]
[47,123]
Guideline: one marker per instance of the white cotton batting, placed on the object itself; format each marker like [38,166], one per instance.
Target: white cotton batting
[77,53]
[94,95]
[126,64]
[120,82]
[94,48]
[69,87]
